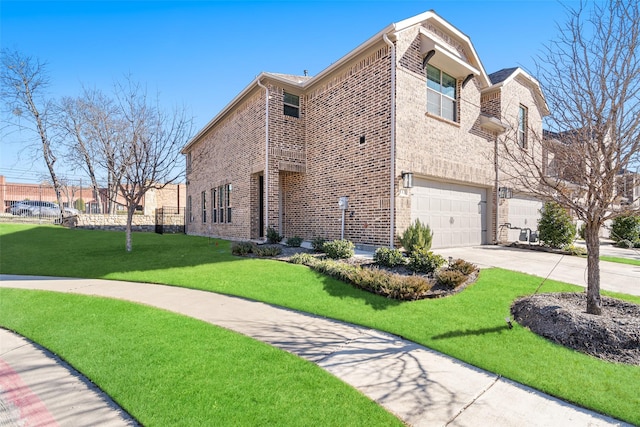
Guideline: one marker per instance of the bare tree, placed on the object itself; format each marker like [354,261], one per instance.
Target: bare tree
[149,154]
[591,79]
[24,81]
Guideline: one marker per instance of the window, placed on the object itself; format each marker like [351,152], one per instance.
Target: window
[221,204]
[522,126]
[214,212]
[228,200]
[189,216]
[189,162]
[291,105]
[204,206]
[441,94]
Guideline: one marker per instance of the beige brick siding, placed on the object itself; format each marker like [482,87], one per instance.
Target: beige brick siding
[431,147]
[340,146]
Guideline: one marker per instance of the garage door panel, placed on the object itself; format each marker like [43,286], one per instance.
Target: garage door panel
[456,213]
[523,213]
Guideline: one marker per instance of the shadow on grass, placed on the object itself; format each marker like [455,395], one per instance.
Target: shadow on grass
[471,332]
[58,251]
[342,290]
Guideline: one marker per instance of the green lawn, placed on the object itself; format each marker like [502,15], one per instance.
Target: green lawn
[170,370]
[469,326]
[620,260]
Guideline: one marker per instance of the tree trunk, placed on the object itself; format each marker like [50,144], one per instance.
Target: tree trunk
[593,268]
[130,210]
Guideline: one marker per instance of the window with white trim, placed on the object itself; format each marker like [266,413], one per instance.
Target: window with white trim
[291,105]
[214,211]
[441,94]
[522,126]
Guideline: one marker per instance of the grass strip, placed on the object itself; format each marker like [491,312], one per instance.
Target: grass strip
[620,260]
[469,326]
[166,369]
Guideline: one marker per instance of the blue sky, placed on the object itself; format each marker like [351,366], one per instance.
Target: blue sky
[201,54]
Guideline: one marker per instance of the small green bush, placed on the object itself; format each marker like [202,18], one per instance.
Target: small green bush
[339,249]
[317,243]
[626,228]
[242,248]
[273,236]
[373,280]
[575,250]
[417,235]
[581,230]
[302,258]
[267,250]
[424,261]
[389,257]
[463,267]
[450,278]
[555,226]
[294,241]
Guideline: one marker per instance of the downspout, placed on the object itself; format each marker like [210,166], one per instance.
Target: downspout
[266,156]
[497,195]
[392,181]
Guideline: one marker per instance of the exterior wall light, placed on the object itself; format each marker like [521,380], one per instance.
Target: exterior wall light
[505,192]
[407,179]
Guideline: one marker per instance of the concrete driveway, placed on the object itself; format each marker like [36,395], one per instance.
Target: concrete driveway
[570,269]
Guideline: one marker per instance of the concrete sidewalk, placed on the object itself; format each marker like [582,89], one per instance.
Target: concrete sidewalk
[420,386]
[615,277]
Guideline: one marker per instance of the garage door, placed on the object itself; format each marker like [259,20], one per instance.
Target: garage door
[523,213]
[457,214]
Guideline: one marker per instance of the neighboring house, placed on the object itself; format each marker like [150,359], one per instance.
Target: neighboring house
[405,126]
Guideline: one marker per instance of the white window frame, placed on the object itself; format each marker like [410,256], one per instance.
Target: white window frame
[523,118]
[435,92]
[291,109]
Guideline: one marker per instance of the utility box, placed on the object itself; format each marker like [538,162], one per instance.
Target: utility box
[343,203]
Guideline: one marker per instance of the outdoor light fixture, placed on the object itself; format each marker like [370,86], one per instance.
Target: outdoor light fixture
[407,179]
[505,192]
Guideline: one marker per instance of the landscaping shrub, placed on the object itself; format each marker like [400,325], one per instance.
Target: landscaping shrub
[555,226]
[373,280]
[625,230]
[339,249]
[424,261]
[242,248]
[575,250]
[318,244]
[389,257]
[417,235]
[267,250]
[294,241]
[302,258]
[273,236]
[450,278]
[462,266]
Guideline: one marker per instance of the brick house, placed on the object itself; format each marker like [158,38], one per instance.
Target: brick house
[405,126]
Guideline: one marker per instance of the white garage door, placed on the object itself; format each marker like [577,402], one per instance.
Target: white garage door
[457,214]
[523,213]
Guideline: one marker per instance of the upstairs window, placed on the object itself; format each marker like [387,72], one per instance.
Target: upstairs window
[441,94]
[522,126]
[291,105]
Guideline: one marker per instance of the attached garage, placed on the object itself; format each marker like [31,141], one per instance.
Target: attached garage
[523,213]
[457,214]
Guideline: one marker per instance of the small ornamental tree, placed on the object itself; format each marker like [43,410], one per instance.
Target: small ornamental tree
[555,226]
[417,235]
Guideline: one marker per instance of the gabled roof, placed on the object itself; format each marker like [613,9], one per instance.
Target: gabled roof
[501,75]
[506,75]
[474,64]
